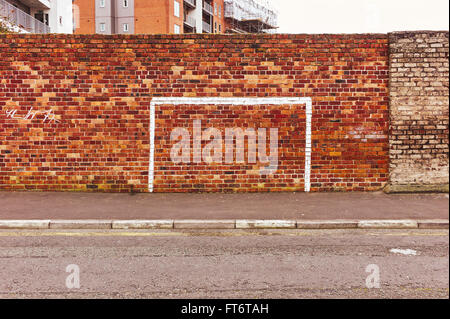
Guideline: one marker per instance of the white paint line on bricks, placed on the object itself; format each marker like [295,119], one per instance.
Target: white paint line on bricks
[81,224]
[151,172]
[24,224]
[142,224]
[407,252]
[389,224]
[231,101]
[204,224]
[248,223]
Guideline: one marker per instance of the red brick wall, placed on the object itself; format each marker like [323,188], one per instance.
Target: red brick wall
[99,89]
[289,119]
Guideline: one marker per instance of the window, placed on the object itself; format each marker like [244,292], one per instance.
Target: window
[215,27]
[125,3]
[41,16]
[176,8]
[176,29]
[220,28]
[102,3]
[220,11]
[125,27]
[215,8]
[102,27]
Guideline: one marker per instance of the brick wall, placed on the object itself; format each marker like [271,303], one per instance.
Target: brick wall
[75,110]
[419,108]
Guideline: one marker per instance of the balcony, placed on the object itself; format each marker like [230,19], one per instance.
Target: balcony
[189,21]
[208,8]
[206,27]
[191,3]
[17,17]
[37,4]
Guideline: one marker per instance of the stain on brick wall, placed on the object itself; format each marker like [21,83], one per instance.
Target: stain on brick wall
[419,107]
[75,110]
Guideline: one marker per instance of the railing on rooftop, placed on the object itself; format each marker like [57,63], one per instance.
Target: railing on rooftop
[21,19]
[244,10]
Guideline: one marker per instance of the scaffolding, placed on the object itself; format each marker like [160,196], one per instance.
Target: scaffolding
[250,16]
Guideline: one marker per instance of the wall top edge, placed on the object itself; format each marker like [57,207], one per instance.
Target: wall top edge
[430,32]
[194,36]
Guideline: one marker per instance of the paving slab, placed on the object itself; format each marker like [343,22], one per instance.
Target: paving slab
[433,224]
[388,224]
[327,224]
[204,224]
[142,224]
[80,224]
[265,224]
[24,224]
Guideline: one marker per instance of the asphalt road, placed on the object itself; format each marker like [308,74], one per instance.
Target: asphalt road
[224,264]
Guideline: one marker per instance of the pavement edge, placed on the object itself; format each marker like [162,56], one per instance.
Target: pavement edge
[225,224]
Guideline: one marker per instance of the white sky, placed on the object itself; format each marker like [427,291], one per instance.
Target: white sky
[361,16]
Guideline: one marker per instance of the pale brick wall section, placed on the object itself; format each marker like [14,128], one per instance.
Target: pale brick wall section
[419,107]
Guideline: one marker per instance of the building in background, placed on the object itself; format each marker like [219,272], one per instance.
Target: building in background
[37,16]
[149,16]
[250,16]
[172,16]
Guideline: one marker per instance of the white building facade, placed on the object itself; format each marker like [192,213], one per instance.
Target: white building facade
[37,16]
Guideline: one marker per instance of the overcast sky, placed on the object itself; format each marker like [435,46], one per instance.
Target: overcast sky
[361,16]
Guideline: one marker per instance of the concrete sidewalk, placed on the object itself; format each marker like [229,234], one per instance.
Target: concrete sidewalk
[260,206]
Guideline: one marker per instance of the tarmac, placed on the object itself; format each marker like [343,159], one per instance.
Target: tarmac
[73,210]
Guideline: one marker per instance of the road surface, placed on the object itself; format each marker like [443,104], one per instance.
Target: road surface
[224,264]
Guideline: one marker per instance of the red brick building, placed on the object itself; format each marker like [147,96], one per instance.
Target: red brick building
[170,16]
